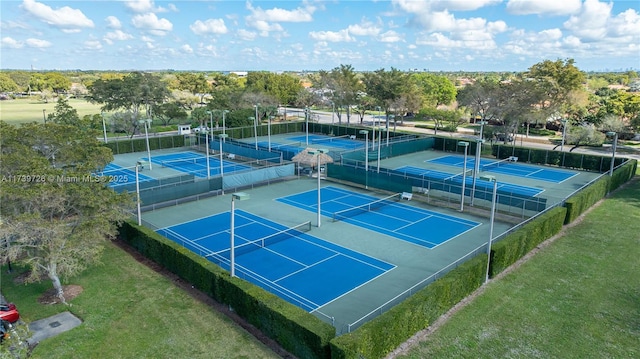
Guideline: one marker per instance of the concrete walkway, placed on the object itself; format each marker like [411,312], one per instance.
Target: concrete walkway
[49,327]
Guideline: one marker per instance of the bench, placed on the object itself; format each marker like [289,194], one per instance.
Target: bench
[406,195]
[141,164]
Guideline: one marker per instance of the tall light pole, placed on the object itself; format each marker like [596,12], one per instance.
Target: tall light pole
[210,123]
[255,124]
[317,153]
[476,167]
[269,131]
[391,117]
[206,136]
[493,213]
[366,156]
[224,125]
[146,135]
[104,127]
[379,146]
[464,172]
[378,109]
[306,121]
[564,133]
[613,155]
[240,196]
[221,139]
[138,196]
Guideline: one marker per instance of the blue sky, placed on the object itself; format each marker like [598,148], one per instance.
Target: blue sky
[437,35]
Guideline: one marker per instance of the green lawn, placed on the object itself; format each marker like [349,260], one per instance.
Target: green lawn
[578,298]
[30,109]
[130,311]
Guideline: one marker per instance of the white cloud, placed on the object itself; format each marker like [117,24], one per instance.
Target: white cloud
[113,22]
[461,5]
[364,29]
[331,36]
[210,26]
[391,36]
[92,45]
[265,28]
[626,23]
[11,43]
[543,7]
[140,6]
[151,24]
[246,35]
[280,15]
[186,49]
[38,43]
[591,22]
[117,35]
[64,17]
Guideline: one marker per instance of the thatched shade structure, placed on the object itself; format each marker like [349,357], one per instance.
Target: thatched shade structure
[309,157]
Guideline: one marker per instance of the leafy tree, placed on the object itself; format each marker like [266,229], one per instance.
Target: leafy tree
[7,84]
[168,112]
[135,94]
[585,135]
[613,123]
[445,119]
[386,87]
[56,216]
[21,78]
[343,87]
[281,87]
[436,90]
[63,113]
[57,82]
[196,84]
[557,79]
[480,99]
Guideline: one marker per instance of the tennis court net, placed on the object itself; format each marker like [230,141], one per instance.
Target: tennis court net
[495,164]
[368,207]
[271,239]
[184,162]
[322,140]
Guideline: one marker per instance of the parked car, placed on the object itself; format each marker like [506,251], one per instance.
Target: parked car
[5,329]
[505,137]
[9,312]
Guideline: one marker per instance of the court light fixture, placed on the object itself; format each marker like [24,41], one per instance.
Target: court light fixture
[240,196]
[146,135]
[366,156]
[222,137]
[613,155]
[317,153]
[464,144]
[491,221]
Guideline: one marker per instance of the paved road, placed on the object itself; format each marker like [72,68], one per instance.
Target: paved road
[526,141]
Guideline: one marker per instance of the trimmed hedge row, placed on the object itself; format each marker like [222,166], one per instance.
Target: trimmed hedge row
[515,245]
[377,338]
[297,331]
[140,144]
[583,200]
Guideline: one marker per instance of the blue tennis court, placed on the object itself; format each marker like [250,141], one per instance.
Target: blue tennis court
[196,164]
[300,268]
[120,176]
[431,175]
[329,141]
[508,168]
[415,225]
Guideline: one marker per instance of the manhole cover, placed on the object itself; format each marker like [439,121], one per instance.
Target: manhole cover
[55,324]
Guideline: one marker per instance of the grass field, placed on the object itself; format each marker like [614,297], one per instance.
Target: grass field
[30,110]
[130,311]
[577,298]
